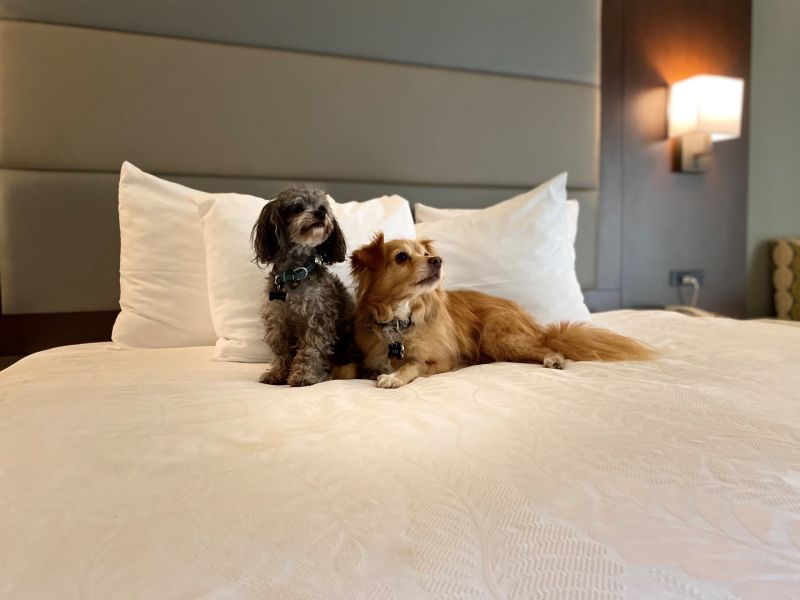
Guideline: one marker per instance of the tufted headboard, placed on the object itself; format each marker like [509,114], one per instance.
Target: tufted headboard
[459,103]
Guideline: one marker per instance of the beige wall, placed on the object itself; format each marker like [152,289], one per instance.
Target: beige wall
[774,181]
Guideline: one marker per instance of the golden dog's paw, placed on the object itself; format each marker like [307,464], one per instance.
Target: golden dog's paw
[389,381]
[554,361]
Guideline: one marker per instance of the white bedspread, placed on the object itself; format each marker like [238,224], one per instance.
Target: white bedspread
[159,474]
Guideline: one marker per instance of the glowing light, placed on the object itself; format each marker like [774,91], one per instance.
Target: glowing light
[709,104]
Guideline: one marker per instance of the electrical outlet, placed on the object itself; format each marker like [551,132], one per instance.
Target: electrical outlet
[676,277]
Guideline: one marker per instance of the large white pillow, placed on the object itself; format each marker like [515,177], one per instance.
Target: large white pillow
[236,284]
[427,214]
[162,271]
[518,249]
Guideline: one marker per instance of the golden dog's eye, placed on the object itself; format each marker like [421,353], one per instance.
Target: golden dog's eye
[426,254]
[401,257]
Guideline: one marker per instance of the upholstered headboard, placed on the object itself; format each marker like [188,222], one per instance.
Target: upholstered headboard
[458,103]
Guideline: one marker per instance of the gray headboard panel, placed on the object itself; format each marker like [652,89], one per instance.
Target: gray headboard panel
[75,102]
[547,39]
[87,100]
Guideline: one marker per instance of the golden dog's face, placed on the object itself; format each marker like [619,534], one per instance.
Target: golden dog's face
[396,271]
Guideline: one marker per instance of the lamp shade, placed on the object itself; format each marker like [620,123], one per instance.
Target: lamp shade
[709,104]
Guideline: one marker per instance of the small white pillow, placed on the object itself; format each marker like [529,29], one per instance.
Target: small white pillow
[236,284]
[428,214]
[518,249]
[162,265]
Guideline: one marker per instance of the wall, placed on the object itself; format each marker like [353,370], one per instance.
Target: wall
[672,220]
[774,185]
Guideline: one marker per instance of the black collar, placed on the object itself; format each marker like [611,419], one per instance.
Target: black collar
[299,274]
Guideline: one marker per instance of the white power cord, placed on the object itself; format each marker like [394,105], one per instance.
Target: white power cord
[692,281]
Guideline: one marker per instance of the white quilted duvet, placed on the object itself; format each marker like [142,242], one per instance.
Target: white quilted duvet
[159,474]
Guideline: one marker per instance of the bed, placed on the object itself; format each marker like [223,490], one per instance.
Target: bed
[161,474]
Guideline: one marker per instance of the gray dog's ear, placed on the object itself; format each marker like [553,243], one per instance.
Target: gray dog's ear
[269,237]
[334,249]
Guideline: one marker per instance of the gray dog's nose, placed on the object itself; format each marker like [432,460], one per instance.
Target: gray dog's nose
[320,213]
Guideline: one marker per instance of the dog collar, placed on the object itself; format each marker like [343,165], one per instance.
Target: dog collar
[293,276]
[284,277]
[395,325]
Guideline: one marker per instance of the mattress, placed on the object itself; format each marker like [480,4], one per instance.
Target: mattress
[163,474]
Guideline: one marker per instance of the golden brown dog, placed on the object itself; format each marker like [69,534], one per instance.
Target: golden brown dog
[402,310]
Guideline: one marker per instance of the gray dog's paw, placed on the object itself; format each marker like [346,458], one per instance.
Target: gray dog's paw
[274,377]
[301,377]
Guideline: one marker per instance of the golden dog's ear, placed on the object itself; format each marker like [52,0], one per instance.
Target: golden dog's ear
[368,257]
[428,245]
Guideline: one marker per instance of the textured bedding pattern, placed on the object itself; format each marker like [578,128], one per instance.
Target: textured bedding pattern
[160,474]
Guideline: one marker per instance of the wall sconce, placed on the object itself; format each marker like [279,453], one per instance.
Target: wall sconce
[703,109]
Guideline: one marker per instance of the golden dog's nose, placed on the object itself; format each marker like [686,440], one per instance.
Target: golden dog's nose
[435,260]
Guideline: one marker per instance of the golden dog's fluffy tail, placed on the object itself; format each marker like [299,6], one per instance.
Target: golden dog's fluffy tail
[578,341]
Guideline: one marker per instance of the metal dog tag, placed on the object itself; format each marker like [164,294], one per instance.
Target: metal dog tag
[279,295]
[396,350]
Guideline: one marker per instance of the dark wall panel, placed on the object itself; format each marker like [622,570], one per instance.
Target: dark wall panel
[25,334]
[674,220]
[609,224]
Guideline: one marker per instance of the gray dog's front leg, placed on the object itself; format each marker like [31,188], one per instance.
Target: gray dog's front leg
[310,364]
[277,336]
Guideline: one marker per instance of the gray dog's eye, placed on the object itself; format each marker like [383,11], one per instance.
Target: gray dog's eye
[298,208]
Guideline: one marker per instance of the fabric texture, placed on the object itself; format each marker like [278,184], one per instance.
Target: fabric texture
[428,214]
[162,272]
[519,249]
[786,278]
[158,474]
[236,284]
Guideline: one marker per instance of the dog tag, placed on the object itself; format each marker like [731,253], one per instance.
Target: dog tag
[279,295]
[396,350]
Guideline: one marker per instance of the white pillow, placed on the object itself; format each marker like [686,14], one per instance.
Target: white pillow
[162,265]
[427,214]
[236,284]
[518,249]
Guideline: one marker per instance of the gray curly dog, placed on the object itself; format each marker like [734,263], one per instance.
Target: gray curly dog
[307,310]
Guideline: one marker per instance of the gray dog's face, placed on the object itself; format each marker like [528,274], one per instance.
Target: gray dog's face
[307,215]
[299,216]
